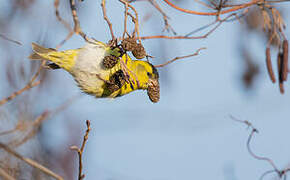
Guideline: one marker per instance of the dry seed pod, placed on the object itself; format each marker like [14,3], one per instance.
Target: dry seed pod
[285,60]
[269,65]
[281,87]
[129,44]
[153,90]
[110,61]
[280,67]
[139,51]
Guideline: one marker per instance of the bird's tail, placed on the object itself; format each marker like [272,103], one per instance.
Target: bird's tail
[63,59]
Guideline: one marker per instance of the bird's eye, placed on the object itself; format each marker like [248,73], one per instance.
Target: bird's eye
[149,74]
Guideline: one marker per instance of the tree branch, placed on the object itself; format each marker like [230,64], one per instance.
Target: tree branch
[181,57]
[30,162]
[81,150]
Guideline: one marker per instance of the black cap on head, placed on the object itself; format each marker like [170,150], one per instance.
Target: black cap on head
[154,71]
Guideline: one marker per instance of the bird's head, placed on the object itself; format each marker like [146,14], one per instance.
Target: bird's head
[148,78]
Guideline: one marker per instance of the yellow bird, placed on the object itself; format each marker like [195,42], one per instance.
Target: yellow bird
[102,71]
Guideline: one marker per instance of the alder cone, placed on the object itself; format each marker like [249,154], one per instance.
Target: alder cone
[129,44]
[110,61]
[139,51]
[153,91]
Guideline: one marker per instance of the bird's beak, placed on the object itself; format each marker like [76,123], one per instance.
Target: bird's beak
[153,90]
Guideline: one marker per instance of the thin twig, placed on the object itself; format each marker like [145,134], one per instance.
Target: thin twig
[238,16]
[133,20]
[125,21]
[103,4]
[9,39]
[30,162]
[201,28]
[242,6]
[8,131]
[66,24]
[81,150]
[278,1]
[181,57]
[219,22]
[281,173]
[28,86]
[69,35]
[34,126]
[253,131]
[16,93]
[77,27]
[136,22]
[205,4]
[270,161]
[266,173]
[165,17]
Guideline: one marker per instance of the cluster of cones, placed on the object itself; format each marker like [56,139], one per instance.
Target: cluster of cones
[282,63]
[137,49]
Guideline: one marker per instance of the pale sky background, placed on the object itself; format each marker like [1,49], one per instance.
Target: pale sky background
[188,134]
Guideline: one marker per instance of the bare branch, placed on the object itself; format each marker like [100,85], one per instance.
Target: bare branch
[69,35]
[266,173]
[136,22]
[81,150]
[125,21]
[103,4]
[35,126]
[66,24]
[28,86]
[16,93]
[281,173]
[9,39]
[5,175]
[32,128]
[219,12]
[165,17]
[30,162]
[181,57]
[77,27]
[218,22]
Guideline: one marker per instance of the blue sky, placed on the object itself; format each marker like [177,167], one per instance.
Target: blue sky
[188,134]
